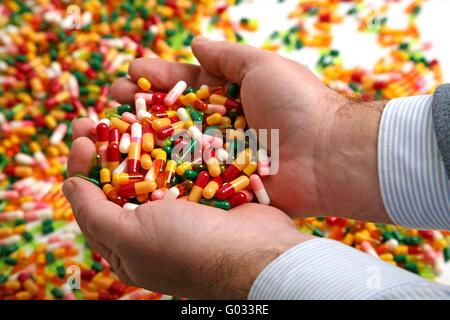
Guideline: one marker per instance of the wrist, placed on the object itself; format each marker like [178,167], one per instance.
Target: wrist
[348,163]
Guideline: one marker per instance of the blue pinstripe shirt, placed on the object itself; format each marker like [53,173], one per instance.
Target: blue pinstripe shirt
[416,193]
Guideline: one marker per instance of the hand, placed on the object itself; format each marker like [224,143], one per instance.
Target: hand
[328,144]
[176,247]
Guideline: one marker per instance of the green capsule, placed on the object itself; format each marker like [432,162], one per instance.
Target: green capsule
[447,254]
[221,204]
[199,167]
[47,229]
[61,272]
[11,248]
[400,259]
[233,90]
[168,150]
[411,266]
[10,261]
[49,257]
[97,266]
[176,179]
[3,278]
[28,236]
[413,240]
[190,174]
[318,233]
[92,180]
[57,293]
[196,115]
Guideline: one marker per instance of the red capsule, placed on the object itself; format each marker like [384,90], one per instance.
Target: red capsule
[102,132]
[113,135]
[202,179]
[113,153]
[158,108]
[158,97]
[237,199]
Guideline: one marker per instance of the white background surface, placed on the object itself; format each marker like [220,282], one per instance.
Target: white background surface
[356,48]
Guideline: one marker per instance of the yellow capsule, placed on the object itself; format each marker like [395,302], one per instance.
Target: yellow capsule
[146,161]
[160,123]
[189,98]
[202,93]
[250,168]
[105,176]
[240,122]
[182,167]
[148,141]
[144,84]
[213,167]
[121,125]
[401,250]
[214,119]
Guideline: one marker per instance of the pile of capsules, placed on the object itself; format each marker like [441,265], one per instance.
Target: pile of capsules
[171,145]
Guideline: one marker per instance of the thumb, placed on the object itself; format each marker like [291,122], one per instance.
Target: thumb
[228,59]
[96,215]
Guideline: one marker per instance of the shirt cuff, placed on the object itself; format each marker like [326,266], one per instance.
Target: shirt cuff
[327,269]
[414,184]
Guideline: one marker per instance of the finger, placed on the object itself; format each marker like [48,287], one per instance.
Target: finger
[226,59]
[82,128]
[95,214]
[164,74]
[80,157]
[123,90]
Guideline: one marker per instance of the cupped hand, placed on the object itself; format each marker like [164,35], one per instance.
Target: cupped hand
[176,247]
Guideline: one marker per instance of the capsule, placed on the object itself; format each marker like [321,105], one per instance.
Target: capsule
[119,124]
[166,132]
[227,102]
[169,171]
[228,189]
[185,187]
[105,176]
[175,93]
[146,161]
[259,189]
[136,132]
[133,189]
[221,204]
[213,167]
[197,189]
[113,136]
[263,163]
[211,188]
[113,156]
[182,167]
[102,137]
[250,168]
[110,192]
[148,142]
[124,144]
[134,154]
[144,84]
[121,179]
[238,198]
[235,168]
[172,194]
[117,111]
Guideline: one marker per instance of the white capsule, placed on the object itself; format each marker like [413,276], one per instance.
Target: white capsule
[124,144]
[130,206]
[41,159]
[391,244]
[263,163]
[12,215]
[183,114]
[58,134]
[136,132]
[143,114]
[140,104]
[24,159]
[175,93]
[172,194]
[195,133]
[122,167]
[221,154]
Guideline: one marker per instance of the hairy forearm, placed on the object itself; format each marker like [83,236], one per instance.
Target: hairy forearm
[348,164]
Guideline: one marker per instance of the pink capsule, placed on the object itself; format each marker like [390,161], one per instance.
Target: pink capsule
[158,194]
[263,163]
[58,134]
[129,117]
[175,93]
[9,195]
[146,96]
[216,108]
[259,189]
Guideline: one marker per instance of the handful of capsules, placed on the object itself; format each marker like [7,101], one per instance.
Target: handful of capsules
[159,150]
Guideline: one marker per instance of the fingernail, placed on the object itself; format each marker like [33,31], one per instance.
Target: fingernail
[68,188]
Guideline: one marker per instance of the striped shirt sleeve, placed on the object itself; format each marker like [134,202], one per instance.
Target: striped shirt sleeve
[327,269]
[414,184]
